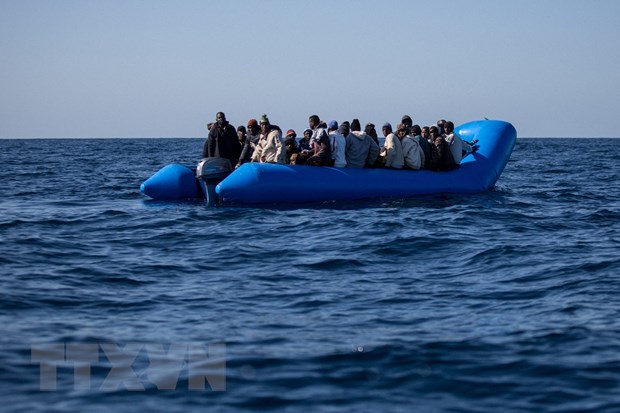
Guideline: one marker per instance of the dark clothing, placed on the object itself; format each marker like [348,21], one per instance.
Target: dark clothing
[426,148]
[291,149]
[441,156]
[222,143]
[248,148]
[305,144]
[322,149]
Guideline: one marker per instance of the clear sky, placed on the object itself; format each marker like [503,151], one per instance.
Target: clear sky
[152,68]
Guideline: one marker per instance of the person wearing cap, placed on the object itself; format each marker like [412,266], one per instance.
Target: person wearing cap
[321,154]
[251,140]
[270,148]
[338,145]
[361,149]
[392,150]
[222,141]
[290,143]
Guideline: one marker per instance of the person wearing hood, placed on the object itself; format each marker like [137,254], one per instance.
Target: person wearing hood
[361,149]
[338,145]
[408,122]
[222,141]
[412,153]
[370,130]
[441,158]
[392,150]
[270,148]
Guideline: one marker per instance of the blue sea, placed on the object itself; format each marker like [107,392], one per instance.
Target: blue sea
[504,301]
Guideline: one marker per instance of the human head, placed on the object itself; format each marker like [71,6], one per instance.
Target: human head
[307,133]
[313,121]
[407,121]
[433,131]
[440,125]
[291,133]
[290,141]
[369,129]
[386,128]
[344,129]
[333,125]
[253,126]
[220,118]
[415,130]
[355,125]
[264,123]
[401,130]
[448,127]
[241,134]
[425,132]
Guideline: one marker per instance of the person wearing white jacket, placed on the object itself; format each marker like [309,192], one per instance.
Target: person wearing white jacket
[270,148]
[412,152]
[392,148]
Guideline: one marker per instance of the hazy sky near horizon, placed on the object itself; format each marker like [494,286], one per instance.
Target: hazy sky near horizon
[153,68]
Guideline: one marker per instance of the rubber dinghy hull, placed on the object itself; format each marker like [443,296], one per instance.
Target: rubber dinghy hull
[256,183]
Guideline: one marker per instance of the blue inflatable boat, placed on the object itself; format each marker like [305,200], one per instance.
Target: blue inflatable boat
[258,183]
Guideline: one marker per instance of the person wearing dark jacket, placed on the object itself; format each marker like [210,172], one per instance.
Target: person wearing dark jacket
[251,140]
[222,141]
[441,157]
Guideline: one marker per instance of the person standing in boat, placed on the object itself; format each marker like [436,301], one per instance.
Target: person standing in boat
[392,150]
[251,140]
[270,148]
[321,154]
[222,141]
[454,141]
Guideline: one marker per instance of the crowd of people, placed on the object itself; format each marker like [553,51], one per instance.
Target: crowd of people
[343,145]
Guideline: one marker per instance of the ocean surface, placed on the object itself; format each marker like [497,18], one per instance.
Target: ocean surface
[505,301]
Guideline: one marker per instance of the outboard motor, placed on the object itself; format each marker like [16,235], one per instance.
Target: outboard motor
[210,172]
